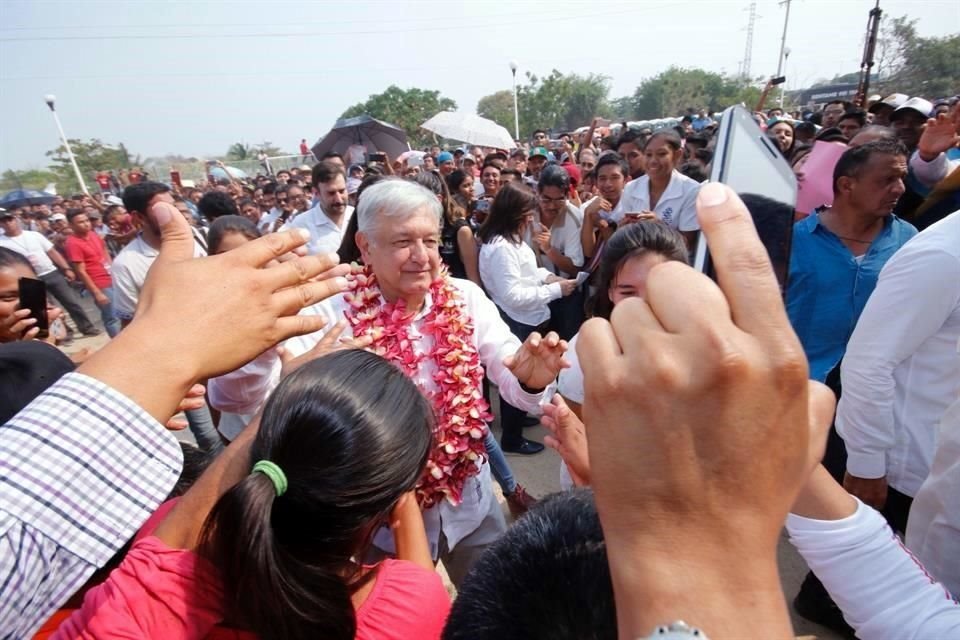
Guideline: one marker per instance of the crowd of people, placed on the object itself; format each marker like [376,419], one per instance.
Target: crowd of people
[338,338]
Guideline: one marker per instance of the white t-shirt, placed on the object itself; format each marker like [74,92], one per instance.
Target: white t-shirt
[130,269]
[677,206]
[34,247]
[565,238]
[325,235]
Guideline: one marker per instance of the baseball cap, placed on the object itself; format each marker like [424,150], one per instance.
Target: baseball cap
[6,214]
[58,217]
[445,156]
[352,185]
[895,100]
[458,152]
[921,106]
[518,153]
[114,200]
[469,158]
[539,151]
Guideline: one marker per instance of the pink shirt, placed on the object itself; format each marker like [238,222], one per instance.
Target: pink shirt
[159,592]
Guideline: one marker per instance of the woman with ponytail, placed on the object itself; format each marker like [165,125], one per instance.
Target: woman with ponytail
[266,544]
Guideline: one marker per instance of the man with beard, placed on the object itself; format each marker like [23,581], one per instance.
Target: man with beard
[327,221]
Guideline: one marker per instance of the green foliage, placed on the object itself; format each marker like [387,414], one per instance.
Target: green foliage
[908,63]
[673,91]
[240,151]
[499,108]
[92,156]
[29,179]
[562,101]
[405,108]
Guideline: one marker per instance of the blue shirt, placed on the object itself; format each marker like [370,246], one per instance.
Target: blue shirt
[699,123]
[828,286]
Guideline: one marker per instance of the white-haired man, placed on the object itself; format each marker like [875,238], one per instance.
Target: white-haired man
[444,333]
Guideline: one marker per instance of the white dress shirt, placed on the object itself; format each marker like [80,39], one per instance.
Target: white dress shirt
[494,342]
[515,283]
[902,367]
[677,206]
[933,530]
[882,590]
[930,173]
[268,219]
[325,235]
[565,238]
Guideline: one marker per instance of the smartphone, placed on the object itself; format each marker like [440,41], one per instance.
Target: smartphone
[751,164]
[482,205]
[33,296]
[175,178]
[778,80]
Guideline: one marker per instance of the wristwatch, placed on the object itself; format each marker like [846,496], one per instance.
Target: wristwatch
[678,630]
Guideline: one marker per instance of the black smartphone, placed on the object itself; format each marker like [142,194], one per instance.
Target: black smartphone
[751,164]
[778,80]
[33,296]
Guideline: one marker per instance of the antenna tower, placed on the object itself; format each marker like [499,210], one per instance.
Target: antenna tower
[748,51]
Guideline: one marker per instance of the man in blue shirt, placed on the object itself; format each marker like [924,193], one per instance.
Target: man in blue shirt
[702,120]
[837,255]
[838,252]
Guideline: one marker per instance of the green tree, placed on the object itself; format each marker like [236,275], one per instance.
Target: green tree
[917,66]
[499,108]
[270,149]
[562,101]
[240,151]
[405,108]
[28,179]
[92,155]
[673,91]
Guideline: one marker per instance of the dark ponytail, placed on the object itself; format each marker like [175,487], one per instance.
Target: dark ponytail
[351,433]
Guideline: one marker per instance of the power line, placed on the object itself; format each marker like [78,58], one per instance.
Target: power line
[207,36]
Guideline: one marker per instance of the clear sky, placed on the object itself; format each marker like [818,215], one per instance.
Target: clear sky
[194,77]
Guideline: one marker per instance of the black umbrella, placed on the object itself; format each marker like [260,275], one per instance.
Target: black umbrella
[363,130]
[25,197]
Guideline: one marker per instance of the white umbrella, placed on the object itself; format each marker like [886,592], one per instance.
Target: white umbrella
[470,128]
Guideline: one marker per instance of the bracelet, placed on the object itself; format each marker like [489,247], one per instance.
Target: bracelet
[678,630]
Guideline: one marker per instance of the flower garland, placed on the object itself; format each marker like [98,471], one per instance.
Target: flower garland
[461,411]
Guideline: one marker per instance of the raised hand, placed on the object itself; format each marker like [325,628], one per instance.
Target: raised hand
[940,135]
[330,342]
[699,436]
[538,361]
[568,438]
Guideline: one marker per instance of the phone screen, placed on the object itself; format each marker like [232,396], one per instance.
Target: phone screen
[751,164]
[33,296]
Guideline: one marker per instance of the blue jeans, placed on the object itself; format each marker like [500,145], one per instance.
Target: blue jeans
[502,472]
[110,322]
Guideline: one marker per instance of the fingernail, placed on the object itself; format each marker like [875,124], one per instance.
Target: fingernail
[333,257]
[304,234]
[341,283]
[162,214]
[712,194]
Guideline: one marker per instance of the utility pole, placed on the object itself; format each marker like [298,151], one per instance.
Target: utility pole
[783,47]
[866,63]
[748,51]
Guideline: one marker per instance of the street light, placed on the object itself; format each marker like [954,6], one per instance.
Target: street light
[516,112]
[50,100]
[783,87]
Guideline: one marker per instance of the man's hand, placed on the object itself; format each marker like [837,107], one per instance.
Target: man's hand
[101,299]
[872,491]
[568,438]
[940,135]
[543,240]
[201,317]
[630,218]
[539,360]
[193,400]
[70,275]
[698,403]
[594,208]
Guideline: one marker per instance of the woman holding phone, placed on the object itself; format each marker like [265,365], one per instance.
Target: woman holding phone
[663,192]
[520,288]
[17,323]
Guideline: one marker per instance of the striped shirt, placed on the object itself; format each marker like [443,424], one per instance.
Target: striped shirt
[81,468]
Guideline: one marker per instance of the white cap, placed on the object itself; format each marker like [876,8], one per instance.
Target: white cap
[921,106]
[894,100]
